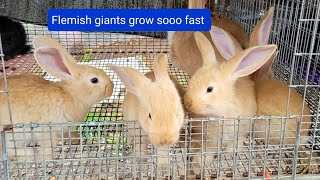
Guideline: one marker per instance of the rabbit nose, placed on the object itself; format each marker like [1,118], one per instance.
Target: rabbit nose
[160,140]
[109,89]
[164,142]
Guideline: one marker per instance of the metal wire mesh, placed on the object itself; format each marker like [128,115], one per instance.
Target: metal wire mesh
[102,149]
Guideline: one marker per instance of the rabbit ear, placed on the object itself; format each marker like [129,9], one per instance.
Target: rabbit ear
[266,68]
[206,49]
[226,44]
[40,41]
[52,61]
[160,67]
[260,34]
[248,61]
[131,78]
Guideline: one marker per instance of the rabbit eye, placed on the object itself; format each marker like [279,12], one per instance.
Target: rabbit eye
[149,116]
[209,89]
[94,80]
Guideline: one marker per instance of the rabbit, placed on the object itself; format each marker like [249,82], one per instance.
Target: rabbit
[34,99]
[154,101]
[13,38]
[223,90]
[266,86]
[272,99]
[186,56]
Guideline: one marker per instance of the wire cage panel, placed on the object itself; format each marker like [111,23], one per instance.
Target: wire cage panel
[101,147]
[102,150]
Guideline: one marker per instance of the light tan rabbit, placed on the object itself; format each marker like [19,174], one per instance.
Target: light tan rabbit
[223,90]
[34,99]
[272,95]
[155,104]
[272,99]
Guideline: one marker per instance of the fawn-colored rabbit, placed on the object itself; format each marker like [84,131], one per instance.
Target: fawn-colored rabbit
[34,99]
[153,102]
[224,90]
[272,99]
[272,95]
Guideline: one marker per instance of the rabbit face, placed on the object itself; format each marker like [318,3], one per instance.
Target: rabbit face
[164,116]
[210,93]
[154,102]
[93,83]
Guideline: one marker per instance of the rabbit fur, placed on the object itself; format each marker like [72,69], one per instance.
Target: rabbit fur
[272,100]
[34,99]
[232,92]
[154,101]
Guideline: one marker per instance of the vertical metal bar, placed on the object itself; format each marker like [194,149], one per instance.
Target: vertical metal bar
[251,135]
[116,139]
[4,156]
[236,134]
[9,109]
[294,168]
[5,80]
[314,33]
[220,133]
[204,144]
[266,144]
[7,94]
[81,148]
[185,152]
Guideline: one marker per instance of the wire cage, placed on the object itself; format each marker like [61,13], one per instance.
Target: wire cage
[104,151]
